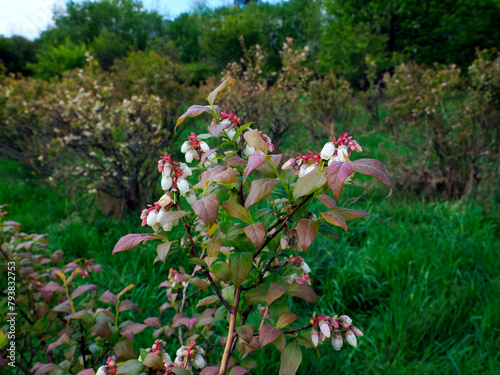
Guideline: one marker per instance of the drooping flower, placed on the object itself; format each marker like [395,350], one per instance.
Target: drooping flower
[314,337]
[327,151]
[351,338]
[336,340]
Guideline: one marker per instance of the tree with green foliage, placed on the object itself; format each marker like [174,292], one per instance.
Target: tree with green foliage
[16,52]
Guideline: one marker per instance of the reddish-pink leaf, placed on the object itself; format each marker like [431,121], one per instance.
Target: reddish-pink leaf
[162,250]
[128,305]
[256,233]
[349,214]
[373,167]
[326,200]
[302,291]
[216,129]
[82,289]
[238,370]
[335,218]
[64,339]
[109,297]
[275,291]
[64,307]
[189,323]
[193,111]
[254,139]
[153,322]
[78,315]
[246,332]
[44,368]
[254,162]
[102,329]
[211,370]
[236,160]
[53,287]
[307,231]
[336,173]
[132,240]
[269,168]
[207,209]
[268,333]
[12,223]
[223,175]
[260,189]
[88,371]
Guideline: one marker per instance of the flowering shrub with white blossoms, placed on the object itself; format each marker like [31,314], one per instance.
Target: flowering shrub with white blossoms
[246,224]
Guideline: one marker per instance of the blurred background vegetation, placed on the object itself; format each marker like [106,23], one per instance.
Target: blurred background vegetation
[88,107]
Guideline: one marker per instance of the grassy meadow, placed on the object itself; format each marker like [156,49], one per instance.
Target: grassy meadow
[420,278]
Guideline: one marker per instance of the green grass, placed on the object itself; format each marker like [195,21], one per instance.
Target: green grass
[420,279]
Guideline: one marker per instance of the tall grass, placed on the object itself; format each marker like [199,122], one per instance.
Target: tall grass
[420,279]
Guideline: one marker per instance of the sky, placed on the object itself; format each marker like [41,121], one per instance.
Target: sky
[30,17]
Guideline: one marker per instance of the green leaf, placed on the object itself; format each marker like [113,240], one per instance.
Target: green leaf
[241,128]
[131,367]
[214,245]
[280,342]
[291,358]
[256,295]
[207,301]
[199,262]
[237,211]
[327,230]
[309,183]
[221,270]
[220,313]
[241,265]
[246,332]
[286,319]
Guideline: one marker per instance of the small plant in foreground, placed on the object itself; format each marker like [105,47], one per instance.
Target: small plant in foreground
[245,219]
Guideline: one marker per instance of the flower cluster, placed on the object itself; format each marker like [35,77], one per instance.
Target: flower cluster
[158,348]
[302,276]
[110,368]
[339,329]
[174,174]
[190,355]
[194,148]
[249,150]
[336,150]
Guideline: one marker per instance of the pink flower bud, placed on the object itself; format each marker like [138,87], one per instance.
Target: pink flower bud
[357,331]
[315,337]
[334,323]
[288,164]
[351,339]
[325,328]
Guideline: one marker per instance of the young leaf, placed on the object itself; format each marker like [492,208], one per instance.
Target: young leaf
[162,250]
[326,200]
[193,111]
[171,216]
[254,162]
[268,333]
[109,297]
[256,233]
[302,291]
[246,332]
[256,295]
[125,290]
[375,168]
[216,129]
[210,370]
[260,189]
[153,361]
[254,139]
[335,218]
[236,160]
[214,245]
[221,271]
[132,367]
[207,209]
[349,214]
[238,370]
[291,358]
[199,283]
[241,265]
[132,240]
[207,301]
[307,231]
[82,289]
[223,175]
[336,173]
[286,319]
[237,211]
[213,95]
[309,183]
[275,291]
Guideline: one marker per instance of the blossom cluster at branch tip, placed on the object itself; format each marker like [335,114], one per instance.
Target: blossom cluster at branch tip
[190,355]
[302,276]
[338,329]
[336,150]
[110,368]
[195,148]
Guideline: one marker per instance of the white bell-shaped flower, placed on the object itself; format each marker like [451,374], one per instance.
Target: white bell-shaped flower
[152,218]
[327,151]
[337,342]
[249,150]
[315,337]
[204,146]
[189,156]
[305,267]
[165,200]
[185,147]
[325,328]
[343,153]
[351,338]
[191,198]
[101,371]
[199,361]
[183,186]
[166,183]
